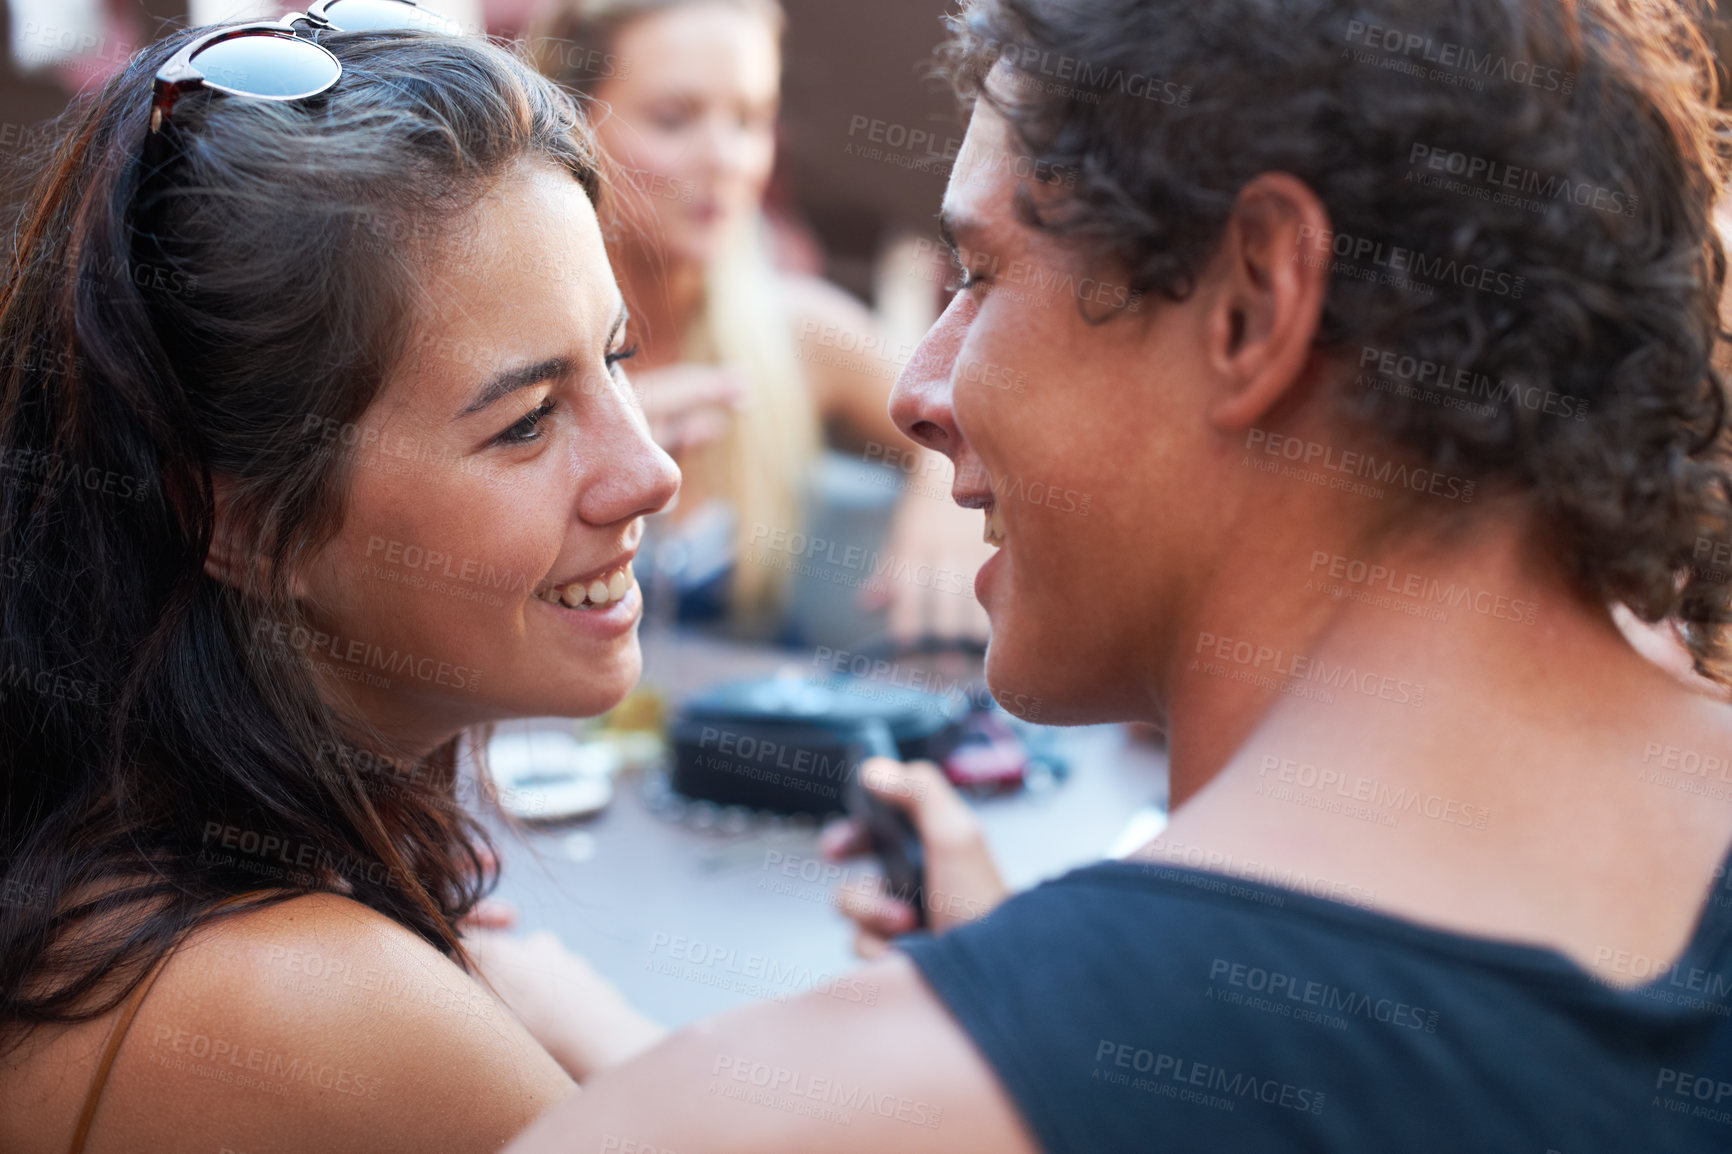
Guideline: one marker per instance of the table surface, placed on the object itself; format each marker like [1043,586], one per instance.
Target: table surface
[689,916]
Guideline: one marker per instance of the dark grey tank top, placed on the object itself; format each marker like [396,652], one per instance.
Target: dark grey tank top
[1161,1010]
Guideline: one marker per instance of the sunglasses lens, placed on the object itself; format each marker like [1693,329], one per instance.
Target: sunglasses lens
[387,16]
[268,65]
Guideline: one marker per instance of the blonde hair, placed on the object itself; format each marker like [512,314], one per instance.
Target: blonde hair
[761,463]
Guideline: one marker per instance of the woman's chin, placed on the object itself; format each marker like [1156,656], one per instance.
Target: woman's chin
[597,699]
[588,692]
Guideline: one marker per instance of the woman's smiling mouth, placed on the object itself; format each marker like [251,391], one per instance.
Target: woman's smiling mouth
[595,594]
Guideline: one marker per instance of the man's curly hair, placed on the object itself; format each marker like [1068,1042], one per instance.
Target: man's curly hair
[1569,152]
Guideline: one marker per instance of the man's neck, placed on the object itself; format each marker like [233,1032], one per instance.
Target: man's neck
[1358,644]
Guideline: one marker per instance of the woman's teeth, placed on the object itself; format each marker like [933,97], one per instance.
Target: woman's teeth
[604,590]
[994,533]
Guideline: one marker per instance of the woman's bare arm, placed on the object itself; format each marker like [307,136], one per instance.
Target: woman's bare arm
[320,1025]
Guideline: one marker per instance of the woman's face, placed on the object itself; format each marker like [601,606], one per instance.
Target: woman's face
[503,470]
[694,102]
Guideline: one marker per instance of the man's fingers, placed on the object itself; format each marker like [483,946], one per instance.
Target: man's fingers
[875,913]
[915,787]
[843,838]
[870,946]
[920,789]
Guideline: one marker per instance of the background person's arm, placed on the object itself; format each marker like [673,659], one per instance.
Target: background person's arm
[687,405]
[852,366]
[579,1016]
[870,1063]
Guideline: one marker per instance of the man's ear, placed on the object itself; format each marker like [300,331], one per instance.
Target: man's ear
[231,545]
[1271,282]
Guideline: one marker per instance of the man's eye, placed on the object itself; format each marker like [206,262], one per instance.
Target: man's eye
[528,429]
[625,354]
[962,278]
[962,274]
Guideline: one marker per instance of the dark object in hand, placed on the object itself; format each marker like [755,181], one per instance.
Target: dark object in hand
[893,840]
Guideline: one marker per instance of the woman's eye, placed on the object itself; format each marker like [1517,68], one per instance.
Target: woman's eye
[673,117]
[528,429]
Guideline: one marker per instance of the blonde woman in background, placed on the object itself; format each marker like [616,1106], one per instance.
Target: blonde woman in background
[733,366]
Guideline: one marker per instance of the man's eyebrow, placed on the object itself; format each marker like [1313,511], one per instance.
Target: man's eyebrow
[951,225]
[510,380]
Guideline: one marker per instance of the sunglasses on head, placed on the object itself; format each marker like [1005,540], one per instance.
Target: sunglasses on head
[275,60]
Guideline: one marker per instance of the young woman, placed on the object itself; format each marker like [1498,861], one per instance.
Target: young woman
[1427,390]
[318,454]
[743,368]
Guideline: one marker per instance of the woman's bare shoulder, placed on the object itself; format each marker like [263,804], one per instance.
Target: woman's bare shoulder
[315,1024]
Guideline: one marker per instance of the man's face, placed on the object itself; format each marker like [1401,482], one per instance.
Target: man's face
[1098,472]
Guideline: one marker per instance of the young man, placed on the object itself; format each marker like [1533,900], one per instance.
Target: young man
[1380,338]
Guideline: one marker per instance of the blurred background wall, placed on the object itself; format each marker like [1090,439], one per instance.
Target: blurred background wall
[853,70]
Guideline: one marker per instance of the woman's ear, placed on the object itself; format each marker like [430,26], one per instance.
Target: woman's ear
[232,544]
[1274,280]
[223,561]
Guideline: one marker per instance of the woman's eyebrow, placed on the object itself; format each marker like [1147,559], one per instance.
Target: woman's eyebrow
[510,380]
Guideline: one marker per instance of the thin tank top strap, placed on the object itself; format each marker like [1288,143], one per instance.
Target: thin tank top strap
[117,1035]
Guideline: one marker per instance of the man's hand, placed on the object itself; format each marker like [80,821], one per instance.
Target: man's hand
[962,881]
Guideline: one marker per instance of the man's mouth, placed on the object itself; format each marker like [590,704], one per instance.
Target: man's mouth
[596,594]
[994,532]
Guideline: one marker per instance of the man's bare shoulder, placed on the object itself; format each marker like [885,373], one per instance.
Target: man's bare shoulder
[320,1024]
[869,1061]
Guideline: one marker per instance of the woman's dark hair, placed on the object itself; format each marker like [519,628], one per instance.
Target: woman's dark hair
[229,315]
[1535,179]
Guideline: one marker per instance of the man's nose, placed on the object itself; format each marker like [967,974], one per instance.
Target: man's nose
[920,404]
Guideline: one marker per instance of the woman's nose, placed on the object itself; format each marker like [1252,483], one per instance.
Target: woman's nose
[634,476]
[714,145]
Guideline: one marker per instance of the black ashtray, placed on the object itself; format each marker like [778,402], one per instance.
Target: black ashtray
[792,746]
